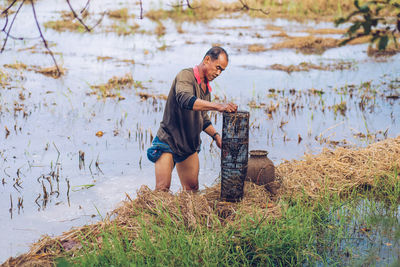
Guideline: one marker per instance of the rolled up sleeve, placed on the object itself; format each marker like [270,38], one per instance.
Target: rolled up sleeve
[206,120]
[185,90]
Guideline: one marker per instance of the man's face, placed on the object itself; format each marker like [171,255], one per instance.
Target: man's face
[214,68]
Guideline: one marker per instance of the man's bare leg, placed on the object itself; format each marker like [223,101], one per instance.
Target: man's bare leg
[164,166]
[188,171]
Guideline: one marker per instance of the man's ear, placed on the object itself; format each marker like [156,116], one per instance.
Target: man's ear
[207,59]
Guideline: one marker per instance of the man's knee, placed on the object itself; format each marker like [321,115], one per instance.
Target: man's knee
[192,187]
[162,186]
[163,169]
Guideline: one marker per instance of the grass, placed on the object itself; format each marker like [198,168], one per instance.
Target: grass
[290,9]
[162,241]
[65,25]
[306,233]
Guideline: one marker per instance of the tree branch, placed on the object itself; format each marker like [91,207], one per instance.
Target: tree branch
[43,39]
[12,23]
[247,8]
[186,4]
[5,11]
[141,9]
[77,17]
[85,7]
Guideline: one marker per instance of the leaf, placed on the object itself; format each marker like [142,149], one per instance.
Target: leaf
[367,27]
[365,9]
[340,21]
[354,27]
[383,41]
[345,41]
[356,4]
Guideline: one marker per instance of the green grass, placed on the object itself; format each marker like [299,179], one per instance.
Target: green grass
[253,241]
[308,232]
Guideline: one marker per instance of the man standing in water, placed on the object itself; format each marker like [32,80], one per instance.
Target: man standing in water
[185,117]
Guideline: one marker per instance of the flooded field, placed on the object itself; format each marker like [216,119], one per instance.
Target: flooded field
[72,147]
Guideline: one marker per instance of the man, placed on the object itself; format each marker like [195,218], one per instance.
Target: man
[185,117]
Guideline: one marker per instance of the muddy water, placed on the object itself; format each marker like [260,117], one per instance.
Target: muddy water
[39,153]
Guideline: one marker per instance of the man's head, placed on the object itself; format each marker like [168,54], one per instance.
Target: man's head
[214,62]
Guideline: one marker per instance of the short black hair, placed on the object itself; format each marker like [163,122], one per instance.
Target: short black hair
[214,53]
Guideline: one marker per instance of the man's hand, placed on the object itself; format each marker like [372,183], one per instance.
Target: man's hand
[229,107]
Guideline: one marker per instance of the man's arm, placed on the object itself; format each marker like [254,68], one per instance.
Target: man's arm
[210,130]
[204,105]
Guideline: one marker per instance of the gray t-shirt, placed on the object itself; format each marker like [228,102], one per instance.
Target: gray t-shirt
[181,126]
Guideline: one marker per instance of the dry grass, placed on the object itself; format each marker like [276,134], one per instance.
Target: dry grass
[48,71]
[123,28]
[51,71]
[17,66]
[119,14]
[340,170]
[304,66]
[110,89]
[326,31]
[256,48]
[308,44]
[203,10]
[4,78]
[337,171]
[389,51]
[64,25]
[202,208]
[145,96]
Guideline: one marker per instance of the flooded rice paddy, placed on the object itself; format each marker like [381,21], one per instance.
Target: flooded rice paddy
[72,147]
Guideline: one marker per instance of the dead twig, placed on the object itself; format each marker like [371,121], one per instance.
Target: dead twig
[246,7]
[187,3]
[77,17]
[141,9]
[12,22]
[43,39]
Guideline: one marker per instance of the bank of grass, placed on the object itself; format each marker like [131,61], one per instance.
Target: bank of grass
[302,225]
[306,232]
[163,241]
[203,10]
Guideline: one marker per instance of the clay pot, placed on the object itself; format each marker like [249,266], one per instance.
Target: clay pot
[260,169]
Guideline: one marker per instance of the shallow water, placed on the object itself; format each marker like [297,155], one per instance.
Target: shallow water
[62,118]
[370,235]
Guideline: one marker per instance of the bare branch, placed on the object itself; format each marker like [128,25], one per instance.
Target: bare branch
[141,9]
[77,17]
[185,4]
[12,23]
[43,39]
[188,4]
[5,24]
[80,20]
[247,8]
[86,7]
[21,38]
[5,11]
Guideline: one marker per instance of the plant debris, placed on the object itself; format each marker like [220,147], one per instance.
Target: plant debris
[111,88]
[256,48]
[339,171]
[304,66]
[64,25]
[51,71]
[308,44]
[203,208]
